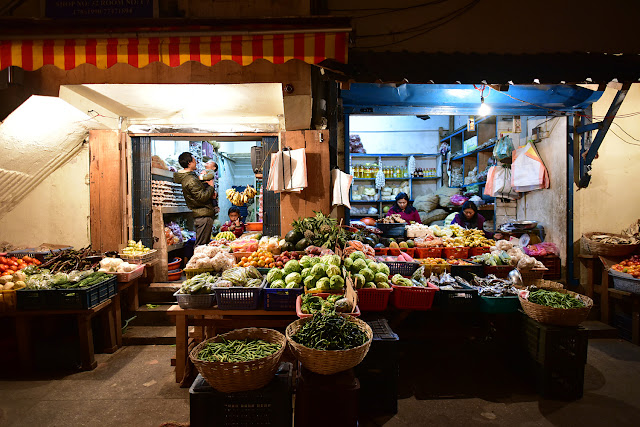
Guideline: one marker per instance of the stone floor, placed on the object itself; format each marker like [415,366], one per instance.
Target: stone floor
[135,387]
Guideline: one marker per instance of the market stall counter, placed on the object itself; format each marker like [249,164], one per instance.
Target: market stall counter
[213,319]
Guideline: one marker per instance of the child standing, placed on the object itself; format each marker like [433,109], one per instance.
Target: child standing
[234,224]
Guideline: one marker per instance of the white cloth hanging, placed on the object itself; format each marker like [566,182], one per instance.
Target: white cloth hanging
[288,171]
[340,184]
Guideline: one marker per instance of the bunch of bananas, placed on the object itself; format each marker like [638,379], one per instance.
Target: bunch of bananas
[225,235]
[240,199]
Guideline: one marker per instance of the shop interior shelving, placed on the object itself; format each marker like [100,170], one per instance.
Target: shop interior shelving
[392,160]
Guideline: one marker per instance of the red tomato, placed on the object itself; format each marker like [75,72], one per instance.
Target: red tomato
[9,272]
[36,262]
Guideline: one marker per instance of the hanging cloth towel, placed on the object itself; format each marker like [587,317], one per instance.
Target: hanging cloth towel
[340,184]
[288,171]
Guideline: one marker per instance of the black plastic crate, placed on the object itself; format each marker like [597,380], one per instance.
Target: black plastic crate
[378,372]
[281,299]
[562,382]
[268,406]
[458,300]
[327,400]
[67,299]
[467,271]
[555,345]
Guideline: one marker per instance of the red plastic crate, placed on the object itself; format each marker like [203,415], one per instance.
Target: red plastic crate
[381,251]
[457,252]
[435,252]
[500,271]
[413,297]
[393,251]
[323,296]
[479,251]
[373,299]
[553,264]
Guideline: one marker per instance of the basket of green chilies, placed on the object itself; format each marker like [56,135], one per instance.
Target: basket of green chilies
[240,360]
[555,306]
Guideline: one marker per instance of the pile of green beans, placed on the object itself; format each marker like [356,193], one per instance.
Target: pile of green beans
[330,331]
[554,299]
[237,350]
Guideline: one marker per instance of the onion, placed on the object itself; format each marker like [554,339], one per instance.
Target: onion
[368,221]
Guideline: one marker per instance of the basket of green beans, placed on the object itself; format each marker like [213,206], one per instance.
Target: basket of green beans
[555,305]
[240,360]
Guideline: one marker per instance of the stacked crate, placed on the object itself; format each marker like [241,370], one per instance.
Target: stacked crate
[166,194]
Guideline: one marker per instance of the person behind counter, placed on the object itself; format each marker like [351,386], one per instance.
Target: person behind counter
[234,224]
[470,218]
[403,207]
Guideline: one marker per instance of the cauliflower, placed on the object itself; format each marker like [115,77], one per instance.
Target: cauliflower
[223,261]
[200,249]
[526,263]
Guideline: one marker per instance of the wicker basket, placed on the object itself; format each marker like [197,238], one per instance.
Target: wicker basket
[230,377]
[558,316]
[328,362]
[597,248]
[529,276]
[547,284]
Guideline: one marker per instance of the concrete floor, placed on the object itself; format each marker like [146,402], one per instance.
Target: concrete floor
[135,387]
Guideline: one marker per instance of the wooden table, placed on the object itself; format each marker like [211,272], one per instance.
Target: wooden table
[132,305]
[214,318]
[85,332]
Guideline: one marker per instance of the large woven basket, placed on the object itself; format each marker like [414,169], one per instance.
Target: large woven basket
[328,362]
[557,316]
[547,284]
[597,248]
[529,276]
[230,377]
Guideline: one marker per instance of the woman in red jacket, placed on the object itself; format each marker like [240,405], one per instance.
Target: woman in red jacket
[403,207]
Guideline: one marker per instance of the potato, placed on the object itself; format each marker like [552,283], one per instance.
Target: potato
[8,286]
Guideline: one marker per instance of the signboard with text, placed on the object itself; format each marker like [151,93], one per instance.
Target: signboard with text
[99,9]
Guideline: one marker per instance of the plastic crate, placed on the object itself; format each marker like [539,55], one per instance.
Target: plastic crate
[381,251]
[467,271]
[139,259]
[458,300]
[302,315]
[479,251]
[378,372]
[500,271]
[456,252]
[402,268]
[127,277]
[560,382]
[435,252]
[625,282]
[413,297]
[31,252]
[499,305]
[555,346]
[191,272]
[553,264]
[67,299]
[430,269]
[281,299]
[373,299]
[268,406]
[239,298]
[186,301]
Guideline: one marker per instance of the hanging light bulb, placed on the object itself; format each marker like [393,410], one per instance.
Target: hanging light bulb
[484,109]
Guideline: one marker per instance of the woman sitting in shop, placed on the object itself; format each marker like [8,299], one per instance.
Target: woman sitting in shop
[470,218]
[403,207]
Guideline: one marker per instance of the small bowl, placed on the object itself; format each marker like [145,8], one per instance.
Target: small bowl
[175,264]
[253,226]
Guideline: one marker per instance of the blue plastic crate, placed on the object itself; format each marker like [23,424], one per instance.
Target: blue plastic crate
[67,299]
[279,299]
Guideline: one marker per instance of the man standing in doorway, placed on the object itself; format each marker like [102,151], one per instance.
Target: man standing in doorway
[198,195]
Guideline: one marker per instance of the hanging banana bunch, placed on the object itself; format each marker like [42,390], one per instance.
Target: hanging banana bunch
[240,199]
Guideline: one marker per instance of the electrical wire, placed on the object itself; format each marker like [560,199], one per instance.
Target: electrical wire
[457,14]
[389,10]
[622,129]
[412,29]
[624,140]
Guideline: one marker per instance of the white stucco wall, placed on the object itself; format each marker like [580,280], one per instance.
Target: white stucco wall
[610,203]
[549,206]
[56,211]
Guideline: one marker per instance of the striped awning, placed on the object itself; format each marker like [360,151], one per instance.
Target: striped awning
[66,54]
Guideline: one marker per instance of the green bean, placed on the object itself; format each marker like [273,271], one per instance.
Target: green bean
[555,299]
[237,350]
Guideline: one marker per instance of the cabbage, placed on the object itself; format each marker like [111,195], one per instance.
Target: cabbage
[293,278]
[292,267]
[336,283]
[382,285]
[305,262]
[357,255]
[368,274]
[383,268]
[381,278]
[310,282]
[358,265]
[370,285]
[278,284]
[333,270]
[274,274]
[254,283]
[358,281]
[315,260]
[348,263]
[319,270]
[324,284]
[305,272]
[331,260]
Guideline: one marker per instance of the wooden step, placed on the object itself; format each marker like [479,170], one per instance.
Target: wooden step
[149,335]
[153,315]
[159,292]
[597,329]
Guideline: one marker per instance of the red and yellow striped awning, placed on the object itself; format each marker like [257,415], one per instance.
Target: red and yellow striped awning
[67,54]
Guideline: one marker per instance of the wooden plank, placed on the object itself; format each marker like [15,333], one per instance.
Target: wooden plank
[94,193]
[157,227]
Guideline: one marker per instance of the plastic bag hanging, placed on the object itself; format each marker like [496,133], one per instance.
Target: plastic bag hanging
[380,179]
[411,166]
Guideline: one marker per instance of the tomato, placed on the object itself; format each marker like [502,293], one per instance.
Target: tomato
[36,262]
[9,272]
